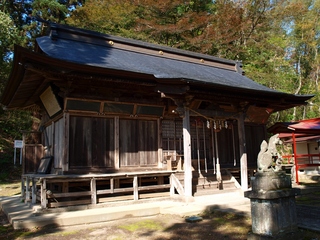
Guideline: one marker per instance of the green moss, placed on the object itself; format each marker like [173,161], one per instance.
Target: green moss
[3,230]
[64,234]
[145,224]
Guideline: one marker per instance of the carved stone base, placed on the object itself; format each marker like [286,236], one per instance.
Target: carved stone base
[273,207]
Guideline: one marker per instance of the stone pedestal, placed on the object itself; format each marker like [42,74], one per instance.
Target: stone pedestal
[273,207]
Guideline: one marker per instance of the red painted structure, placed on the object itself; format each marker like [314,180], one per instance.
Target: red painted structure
[296,132]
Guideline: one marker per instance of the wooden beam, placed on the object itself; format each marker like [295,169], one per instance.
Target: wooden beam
[65,157]
[187,154]
[160,155]
[135,188]
[27,199]
[175,184]
[22,187]
[116,143]
[213,113]
[93,187]
[43,193]
[34,191]
[112,185]
[243,152]
[70,194]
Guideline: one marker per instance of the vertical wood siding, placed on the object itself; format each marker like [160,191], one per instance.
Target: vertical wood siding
[202,142]
[91,142]
[33,154]
[138,142]
[58,143]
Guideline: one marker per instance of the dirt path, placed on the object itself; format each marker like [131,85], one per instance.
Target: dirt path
[213,226]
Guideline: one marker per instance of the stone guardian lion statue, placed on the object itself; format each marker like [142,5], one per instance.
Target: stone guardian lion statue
[268,158]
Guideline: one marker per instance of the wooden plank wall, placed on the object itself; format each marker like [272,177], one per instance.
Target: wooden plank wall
[58,144]
[201,141]
[91,142]
[33,154]
[96,142]
[138,142]
[53,141]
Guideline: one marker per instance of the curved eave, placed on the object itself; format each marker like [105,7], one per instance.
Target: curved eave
[26,83]
[308,126]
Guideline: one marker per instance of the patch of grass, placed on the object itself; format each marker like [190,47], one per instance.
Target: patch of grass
[10,189]
[145,224]
[66,233]
[118,238]
[10,233]
[312,199]
[3,230]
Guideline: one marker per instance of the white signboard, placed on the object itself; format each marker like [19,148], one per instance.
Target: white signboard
[18,144]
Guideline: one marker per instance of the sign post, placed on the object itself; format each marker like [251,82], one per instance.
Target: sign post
[17,144]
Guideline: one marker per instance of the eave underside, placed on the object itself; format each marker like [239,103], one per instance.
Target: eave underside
[33,73]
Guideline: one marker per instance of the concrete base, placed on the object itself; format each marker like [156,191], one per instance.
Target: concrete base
[22,215]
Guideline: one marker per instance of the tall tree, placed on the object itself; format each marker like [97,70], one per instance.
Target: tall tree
[107,16]
[8,37]
[19,26]
[277,41]
[305,43]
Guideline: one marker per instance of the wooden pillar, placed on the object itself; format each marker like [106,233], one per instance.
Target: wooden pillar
[65,157]
[23,187]
[160,150]
[116,143]
[23,150]
[27,199]
[34,191]
[43,193]
[187,154]
[93,187]
[135,188]
[171,185]
[243,152]
[112,185]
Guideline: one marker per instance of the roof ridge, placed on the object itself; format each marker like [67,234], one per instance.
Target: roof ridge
[65,32]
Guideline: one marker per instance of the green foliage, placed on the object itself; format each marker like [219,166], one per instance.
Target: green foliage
[12,124]
[8,35]
[49,10]
[116,17]
[277,41]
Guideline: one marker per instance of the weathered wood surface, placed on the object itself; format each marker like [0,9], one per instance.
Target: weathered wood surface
[138,143]
[91,142]
[33,154]
[96,184]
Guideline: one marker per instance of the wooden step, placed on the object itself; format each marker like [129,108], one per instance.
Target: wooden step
[213,188]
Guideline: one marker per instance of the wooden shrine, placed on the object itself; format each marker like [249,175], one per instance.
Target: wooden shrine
[121,115]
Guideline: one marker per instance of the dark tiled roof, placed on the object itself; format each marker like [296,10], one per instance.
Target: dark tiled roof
[110,57]
[76,51]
